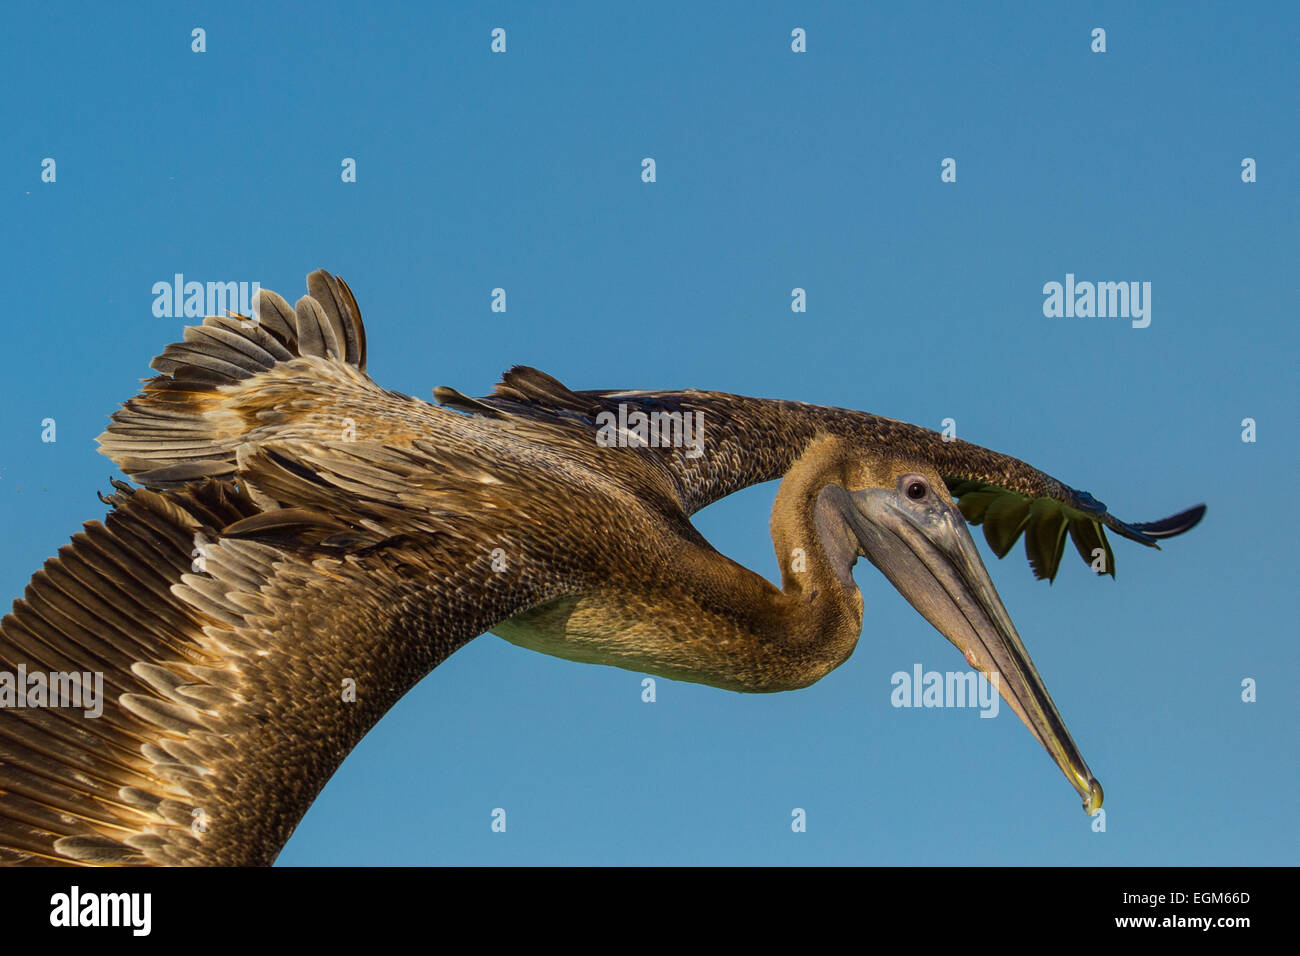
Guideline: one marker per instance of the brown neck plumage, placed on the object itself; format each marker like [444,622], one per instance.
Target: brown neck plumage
[819,609]
[751,440]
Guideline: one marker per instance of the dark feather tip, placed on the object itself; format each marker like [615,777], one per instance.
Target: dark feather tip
[1174,525]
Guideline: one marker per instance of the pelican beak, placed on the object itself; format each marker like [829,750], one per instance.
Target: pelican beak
[925,550]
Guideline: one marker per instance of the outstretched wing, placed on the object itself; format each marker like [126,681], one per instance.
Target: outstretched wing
[308,546]
[240,655]
[746,440]
[1045,522]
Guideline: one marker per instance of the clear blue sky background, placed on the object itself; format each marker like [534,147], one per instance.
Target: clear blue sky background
[775,170]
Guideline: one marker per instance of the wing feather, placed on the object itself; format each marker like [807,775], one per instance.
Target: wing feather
[1046,521]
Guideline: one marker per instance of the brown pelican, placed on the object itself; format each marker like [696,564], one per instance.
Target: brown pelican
[303,546]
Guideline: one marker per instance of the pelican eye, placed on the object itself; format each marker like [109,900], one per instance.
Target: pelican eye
[916,490]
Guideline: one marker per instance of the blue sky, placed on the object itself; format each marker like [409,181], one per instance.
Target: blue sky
[775,170]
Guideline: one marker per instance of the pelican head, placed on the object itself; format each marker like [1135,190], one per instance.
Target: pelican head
[901,518]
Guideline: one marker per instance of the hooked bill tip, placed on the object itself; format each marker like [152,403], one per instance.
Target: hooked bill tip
[1092,802]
